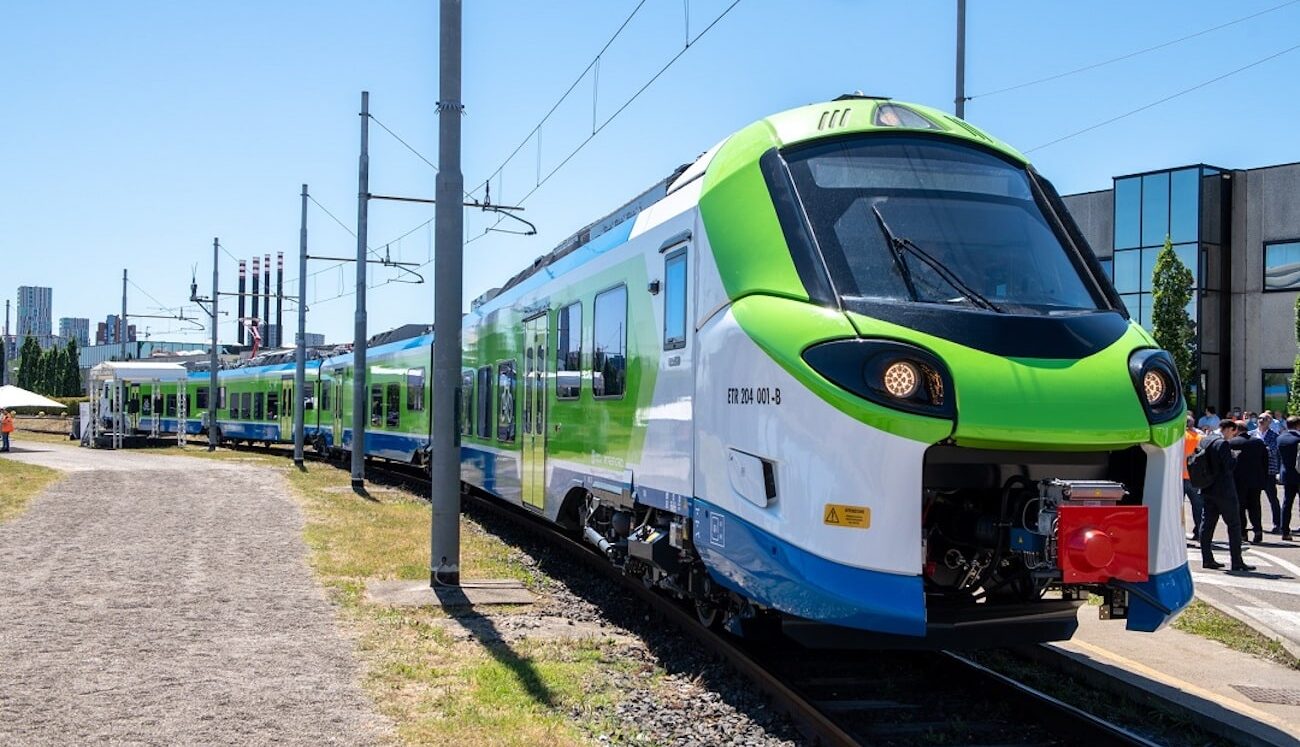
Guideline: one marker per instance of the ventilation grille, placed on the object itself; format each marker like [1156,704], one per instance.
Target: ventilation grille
[834,118]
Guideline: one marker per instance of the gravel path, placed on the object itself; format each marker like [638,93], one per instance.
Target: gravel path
[165,600]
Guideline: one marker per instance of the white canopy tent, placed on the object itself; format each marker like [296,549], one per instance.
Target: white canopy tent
[110,382]
[12,396]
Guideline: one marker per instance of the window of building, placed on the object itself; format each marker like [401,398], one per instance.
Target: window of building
[609,340]
[506,401]
[467,403]
[568,352]
[171,405]
[1276,385]
[394,414]
[1282,266]
[1155,208]
[1184,205]
[1128,271]
[675,300]
[258,400]
[377,405]
[484,411]
[272,405]
[415,389]
[201,398]
[1107,268]
[1128,213]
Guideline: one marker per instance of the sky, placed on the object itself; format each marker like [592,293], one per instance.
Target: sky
[133,133]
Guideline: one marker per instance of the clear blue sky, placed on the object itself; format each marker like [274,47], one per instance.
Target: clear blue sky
[133,133]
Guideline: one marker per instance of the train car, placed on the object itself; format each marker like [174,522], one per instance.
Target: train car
[854,370]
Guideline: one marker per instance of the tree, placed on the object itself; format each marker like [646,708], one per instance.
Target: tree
[29,360]
[1174,330]
[71,379]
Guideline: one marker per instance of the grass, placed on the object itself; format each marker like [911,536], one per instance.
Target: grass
[434,687]
[19,483]
[1204,620]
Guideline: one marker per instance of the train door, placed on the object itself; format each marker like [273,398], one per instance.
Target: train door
[340,378]
[533,420]
[286,409]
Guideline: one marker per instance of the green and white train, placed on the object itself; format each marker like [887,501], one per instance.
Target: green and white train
[854,370]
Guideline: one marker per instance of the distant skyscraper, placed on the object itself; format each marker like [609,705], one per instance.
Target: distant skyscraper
[106,331]
[313,340]
[35,306]
[75,328]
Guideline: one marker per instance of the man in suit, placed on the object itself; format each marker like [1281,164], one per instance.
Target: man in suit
[1288,448]
[1220,497]
[1249,478]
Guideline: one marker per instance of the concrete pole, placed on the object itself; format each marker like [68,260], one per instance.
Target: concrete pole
[121,321]
[360,403]
[214,359]
[300,357]
[444,478]
[960,99]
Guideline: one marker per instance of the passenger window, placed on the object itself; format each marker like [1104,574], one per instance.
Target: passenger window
[201,398]
[146,406]
[609,340]
[221,397]
[415,389]
[171,405]
[568,352]
[394,405]
[376,405]
[246,406]
[258,398]
[467,403]
[325,387]
[272,406]
[506,400]
[526,413]
[485,402]
[675,300]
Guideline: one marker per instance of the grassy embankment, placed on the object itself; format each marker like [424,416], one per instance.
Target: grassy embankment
[19,483]
[1204,620]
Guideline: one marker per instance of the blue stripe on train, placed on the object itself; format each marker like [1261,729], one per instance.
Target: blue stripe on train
[1172,589]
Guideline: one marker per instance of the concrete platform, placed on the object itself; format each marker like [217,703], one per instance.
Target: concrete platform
[481,593]
[1218,686]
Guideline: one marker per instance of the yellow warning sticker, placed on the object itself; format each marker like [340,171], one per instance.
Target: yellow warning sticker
[840,515]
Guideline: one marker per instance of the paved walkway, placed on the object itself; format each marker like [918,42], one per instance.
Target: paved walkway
[149,599]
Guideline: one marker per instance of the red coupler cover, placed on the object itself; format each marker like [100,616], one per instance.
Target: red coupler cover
[1098,543]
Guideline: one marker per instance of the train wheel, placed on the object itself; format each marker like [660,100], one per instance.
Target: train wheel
[709,614]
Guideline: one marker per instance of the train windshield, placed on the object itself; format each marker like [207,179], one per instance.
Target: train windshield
[923,220]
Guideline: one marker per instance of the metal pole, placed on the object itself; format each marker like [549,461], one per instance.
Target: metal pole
[121,322]
[300,357]
[279,299]
[444,497]
[360,404]
[960,99]
[214,361]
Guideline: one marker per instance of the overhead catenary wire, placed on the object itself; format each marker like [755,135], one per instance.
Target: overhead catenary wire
[1130,55]
[1160,101]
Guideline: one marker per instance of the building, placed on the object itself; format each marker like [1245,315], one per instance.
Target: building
[314,340]
[1238,230]
[35,308]
[106,331]
[75,328]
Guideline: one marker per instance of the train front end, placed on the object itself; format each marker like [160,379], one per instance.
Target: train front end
[958,432]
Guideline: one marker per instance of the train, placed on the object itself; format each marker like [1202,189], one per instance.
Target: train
[853,373]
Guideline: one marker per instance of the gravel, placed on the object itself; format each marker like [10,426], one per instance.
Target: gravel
[164,600]
[698,701]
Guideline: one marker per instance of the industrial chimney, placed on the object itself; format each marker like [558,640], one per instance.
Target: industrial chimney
[257,286]
[279,299]
[243,278]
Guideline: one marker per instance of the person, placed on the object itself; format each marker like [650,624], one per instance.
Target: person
[1264,432]
[1209,421]
[1249,477]
[6,427]
[1288,449]
[1191,439]
[1277,421]
[1220,497]
[1252,421]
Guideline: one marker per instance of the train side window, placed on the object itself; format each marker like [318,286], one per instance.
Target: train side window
[325,387]
[171,405]
[484,411]
[609,343]
[394,415]
[415,389]
[526,413]
[568,352]
[467,403]
[675,300]
[245,406]
[221,397]
[272,405]
[258,399]
[376,404]
[201,398]
[506,401]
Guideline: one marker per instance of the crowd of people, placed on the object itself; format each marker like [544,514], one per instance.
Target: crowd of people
[1246,455]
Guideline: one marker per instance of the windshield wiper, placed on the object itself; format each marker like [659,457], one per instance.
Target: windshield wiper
[898,245]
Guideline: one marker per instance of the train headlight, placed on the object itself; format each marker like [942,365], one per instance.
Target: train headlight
[1157,385]
[887,372]
[1154,387]
[901,379]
